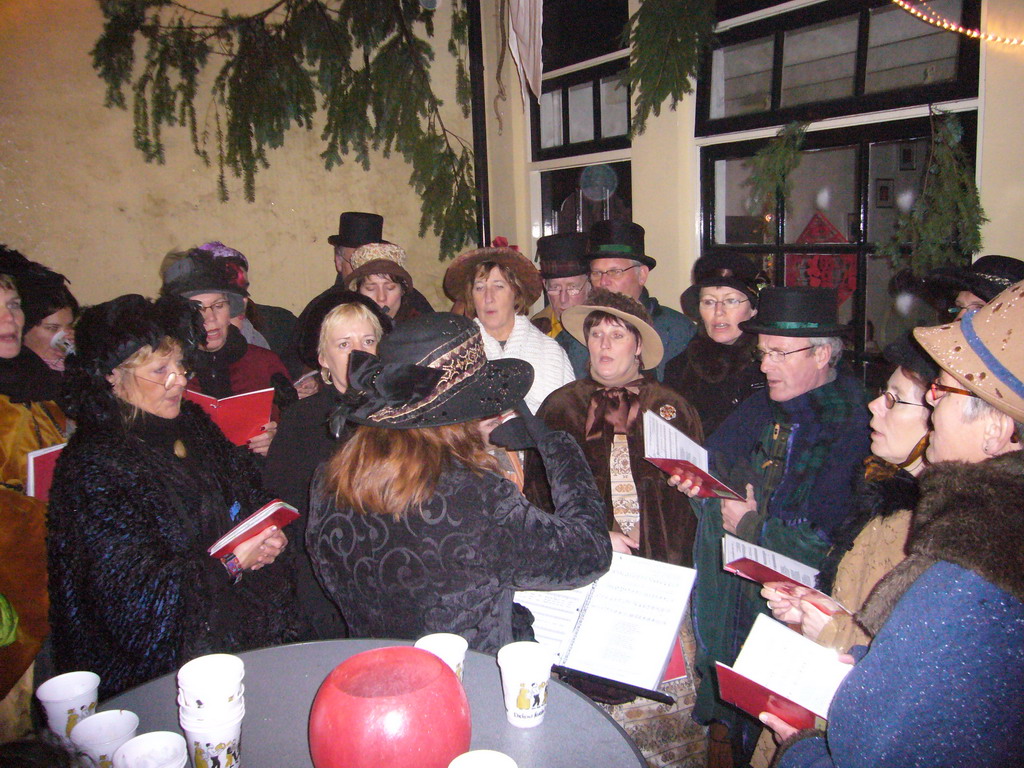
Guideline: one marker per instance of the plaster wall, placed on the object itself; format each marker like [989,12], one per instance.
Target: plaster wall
[76,195]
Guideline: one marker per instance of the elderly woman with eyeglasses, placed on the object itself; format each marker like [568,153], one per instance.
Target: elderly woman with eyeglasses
[943,679]
[717,371]
[145,485]
[226,364]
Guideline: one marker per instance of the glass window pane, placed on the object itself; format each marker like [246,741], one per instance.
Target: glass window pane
[818,62]
[824,196]
[551,119]
[741,78]
[614,107]
[735,222]
[904,51]
[886,322]
[581,112]
[826,270]
[572,199]
[896,175]
[577,30]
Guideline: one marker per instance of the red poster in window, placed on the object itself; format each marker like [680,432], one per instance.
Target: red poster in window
[823,270]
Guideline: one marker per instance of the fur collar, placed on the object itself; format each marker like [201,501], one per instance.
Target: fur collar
[713,362]
[969,515]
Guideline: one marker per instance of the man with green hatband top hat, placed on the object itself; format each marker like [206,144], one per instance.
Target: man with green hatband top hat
[794,449]
[619,263]
[565,272]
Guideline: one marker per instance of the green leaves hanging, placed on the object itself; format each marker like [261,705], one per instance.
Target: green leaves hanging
[667,39]
[770,169]
[366,61]
[943,229]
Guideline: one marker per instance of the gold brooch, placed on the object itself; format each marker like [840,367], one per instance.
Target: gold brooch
[667,412]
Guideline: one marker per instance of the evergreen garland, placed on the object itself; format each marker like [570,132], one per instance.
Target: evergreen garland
[667,39]
[944,227]
[362,59]
[770,169]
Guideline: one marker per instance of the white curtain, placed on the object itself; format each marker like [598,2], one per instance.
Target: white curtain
[524,39]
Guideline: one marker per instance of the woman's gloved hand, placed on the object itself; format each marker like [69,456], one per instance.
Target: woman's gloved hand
[524,431]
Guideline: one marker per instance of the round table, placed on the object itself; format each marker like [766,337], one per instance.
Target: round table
[280,684]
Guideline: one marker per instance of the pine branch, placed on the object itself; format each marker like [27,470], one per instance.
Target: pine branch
[770,170]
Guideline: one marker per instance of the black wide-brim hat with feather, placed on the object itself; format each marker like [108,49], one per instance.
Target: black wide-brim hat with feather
[432,371]
[107,334]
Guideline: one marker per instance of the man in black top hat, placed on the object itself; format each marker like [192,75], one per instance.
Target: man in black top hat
[795,450]
[618,263]
[565,272]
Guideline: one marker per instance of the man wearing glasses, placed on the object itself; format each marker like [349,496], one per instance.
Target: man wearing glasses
[794,449]
[618,263]
[564,269]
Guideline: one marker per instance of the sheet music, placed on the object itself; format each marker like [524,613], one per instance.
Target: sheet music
[555,615]
[663,441]
[734,549]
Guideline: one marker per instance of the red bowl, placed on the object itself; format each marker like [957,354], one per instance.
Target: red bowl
[389,707]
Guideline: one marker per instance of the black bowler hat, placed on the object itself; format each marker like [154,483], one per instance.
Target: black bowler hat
[618,239]
[986,278]
[356,229]
[799,311]
[563,255]
[432,371]
[725,269]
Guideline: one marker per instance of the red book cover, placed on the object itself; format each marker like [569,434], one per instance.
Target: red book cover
[710,487]
[676,667]
[239,417]
[753,698]
[755,571]
[41,465]
[276,513]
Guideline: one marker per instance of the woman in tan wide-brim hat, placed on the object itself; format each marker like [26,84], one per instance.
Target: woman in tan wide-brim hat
[942,620]
[498,286]
[604,414]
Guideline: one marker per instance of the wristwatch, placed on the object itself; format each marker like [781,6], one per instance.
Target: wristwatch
[233,567]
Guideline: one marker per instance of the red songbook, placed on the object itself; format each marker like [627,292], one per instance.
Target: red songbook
[277,513]
[710,487]
[239,417]
[41,465]
[753,698]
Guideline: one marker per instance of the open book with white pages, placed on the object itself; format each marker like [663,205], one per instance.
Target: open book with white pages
[623,627]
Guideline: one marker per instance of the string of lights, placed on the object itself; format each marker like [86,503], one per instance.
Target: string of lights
[937,20]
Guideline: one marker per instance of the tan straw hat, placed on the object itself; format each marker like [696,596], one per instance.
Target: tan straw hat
[981,352]
[378,259]
[624,308]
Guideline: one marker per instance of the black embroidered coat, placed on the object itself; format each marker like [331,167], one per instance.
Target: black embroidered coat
[454,565]
[134,593]
[667,524]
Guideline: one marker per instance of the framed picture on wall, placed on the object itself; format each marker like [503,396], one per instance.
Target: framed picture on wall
[883,193]
[907,160]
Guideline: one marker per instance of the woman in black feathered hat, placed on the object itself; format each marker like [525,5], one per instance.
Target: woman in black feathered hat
[449,538]
[145,485]
[716,372]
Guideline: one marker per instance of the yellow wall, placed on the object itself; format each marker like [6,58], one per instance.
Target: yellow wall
[1001,159]
[76,195]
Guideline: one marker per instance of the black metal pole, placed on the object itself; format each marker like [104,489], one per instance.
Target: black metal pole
[479,106]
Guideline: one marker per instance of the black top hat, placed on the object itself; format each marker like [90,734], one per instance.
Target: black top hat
[726,269]
[799,311]
[312,317]
[618,239]
[356,228]
[432,371]
[986,278]
[563,255]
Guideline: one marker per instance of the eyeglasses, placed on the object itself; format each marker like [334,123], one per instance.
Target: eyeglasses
[615,272]
[891,401]
[216,307]
[169,381]
[776,355]
[935,388]
[956,309]
[711,304]
[568,290]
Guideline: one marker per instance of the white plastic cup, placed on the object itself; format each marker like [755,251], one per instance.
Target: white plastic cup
[68,699]
[213,743]
[481,758]
[211,680]
[159,749]
[211,714]
[101,735]
[450,648]
[525,672]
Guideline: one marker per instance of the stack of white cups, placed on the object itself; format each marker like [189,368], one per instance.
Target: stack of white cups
[211,705]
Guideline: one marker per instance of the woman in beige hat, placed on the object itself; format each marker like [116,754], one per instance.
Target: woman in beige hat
[498,286]
[943,680]
[378,271]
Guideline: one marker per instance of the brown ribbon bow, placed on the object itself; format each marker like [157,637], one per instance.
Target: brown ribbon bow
[613,411]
